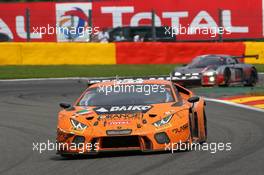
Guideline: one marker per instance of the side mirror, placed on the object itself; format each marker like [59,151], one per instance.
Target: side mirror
[65,105]
[193,99]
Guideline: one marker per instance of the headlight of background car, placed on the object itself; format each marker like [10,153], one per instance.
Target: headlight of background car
[177,74]
[78,125]
[163,121]
[211,74]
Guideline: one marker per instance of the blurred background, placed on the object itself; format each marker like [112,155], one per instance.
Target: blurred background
[136,37]
[131,20]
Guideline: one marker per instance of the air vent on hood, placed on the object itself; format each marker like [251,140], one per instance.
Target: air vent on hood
[152,115]
[89,118]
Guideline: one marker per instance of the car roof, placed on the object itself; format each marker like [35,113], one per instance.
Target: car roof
[113,82]
[215,55]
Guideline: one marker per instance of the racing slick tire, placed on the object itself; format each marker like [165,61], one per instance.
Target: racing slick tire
[186,146]
[227,75]
[205,129]
[189,144]
[252,79]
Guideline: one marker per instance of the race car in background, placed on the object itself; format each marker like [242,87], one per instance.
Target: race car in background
[131,120]
[222,70]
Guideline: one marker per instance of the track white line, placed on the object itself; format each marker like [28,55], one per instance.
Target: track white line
[234,104]
[65,78]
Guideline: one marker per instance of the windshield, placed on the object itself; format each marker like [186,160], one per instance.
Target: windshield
[202,62]
[127,95]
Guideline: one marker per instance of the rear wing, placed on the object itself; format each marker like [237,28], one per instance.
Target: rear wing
[126,79]
[192,80]
[246,56]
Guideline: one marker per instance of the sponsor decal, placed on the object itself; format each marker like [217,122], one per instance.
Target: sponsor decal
[126,122]
[122,109]
[180,129]
[165,126]
[82,112]
[101,110]
[119,116]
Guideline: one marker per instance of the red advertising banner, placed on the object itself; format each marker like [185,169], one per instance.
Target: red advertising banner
[242,18]
[172,53]
[189,19]
[13,20]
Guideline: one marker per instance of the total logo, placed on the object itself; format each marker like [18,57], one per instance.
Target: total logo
[202,19]
[119,123]
[68,16]
[122,109]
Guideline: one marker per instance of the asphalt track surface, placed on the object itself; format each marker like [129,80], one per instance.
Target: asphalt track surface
[28,114]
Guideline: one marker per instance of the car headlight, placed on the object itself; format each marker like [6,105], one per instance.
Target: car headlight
[212,78]
[209,73]
[78,125]
[163,121]
[177,74]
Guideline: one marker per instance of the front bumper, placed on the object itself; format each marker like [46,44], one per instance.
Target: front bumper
[188,79]
[145,142]
[189,83]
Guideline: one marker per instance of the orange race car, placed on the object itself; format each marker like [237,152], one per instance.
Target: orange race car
[133,114]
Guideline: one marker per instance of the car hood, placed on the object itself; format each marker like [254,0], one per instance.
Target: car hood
[125,119]
[186,70]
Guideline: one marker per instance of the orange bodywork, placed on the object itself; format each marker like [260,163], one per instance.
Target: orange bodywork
[133,131]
